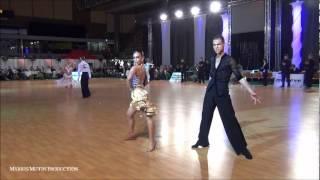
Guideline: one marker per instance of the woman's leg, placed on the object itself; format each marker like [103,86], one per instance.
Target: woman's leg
[130,113]
[151,131]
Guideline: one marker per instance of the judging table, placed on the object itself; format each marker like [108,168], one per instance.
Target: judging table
[296,80]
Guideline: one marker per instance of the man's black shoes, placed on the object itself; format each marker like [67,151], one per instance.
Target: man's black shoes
[246,153]
[198,145]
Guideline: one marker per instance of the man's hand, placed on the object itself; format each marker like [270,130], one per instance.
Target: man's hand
[253,94]
[255,98]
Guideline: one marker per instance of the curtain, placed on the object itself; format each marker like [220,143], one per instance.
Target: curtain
[156,44]
[165,37]
[182,41]
[199,37]
[310,29]
[273,64]
[213,28]
[248,49]
[286,29]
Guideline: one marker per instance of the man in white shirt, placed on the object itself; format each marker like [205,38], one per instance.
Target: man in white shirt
[84,70]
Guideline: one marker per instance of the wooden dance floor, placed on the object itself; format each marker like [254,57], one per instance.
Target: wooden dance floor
[52,133]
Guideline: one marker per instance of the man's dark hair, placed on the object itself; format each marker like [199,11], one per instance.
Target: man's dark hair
[218,37]
[139,51]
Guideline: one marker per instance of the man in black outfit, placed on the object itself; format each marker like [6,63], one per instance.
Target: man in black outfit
[308,70]
[183,70]
[264,71]
[217,95]
[285,70]
[201,72]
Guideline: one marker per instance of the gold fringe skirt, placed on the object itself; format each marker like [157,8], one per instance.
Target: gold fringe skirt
[140,101]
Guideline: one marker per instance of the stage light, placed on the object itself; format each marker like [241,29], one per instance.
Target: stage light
[195,10]
[163,17]
[178,14]
[215,6]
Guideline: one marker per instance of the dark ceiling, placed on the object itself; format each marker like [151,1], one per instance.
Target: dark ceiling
[145,6]
[145,9]
[137,6]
